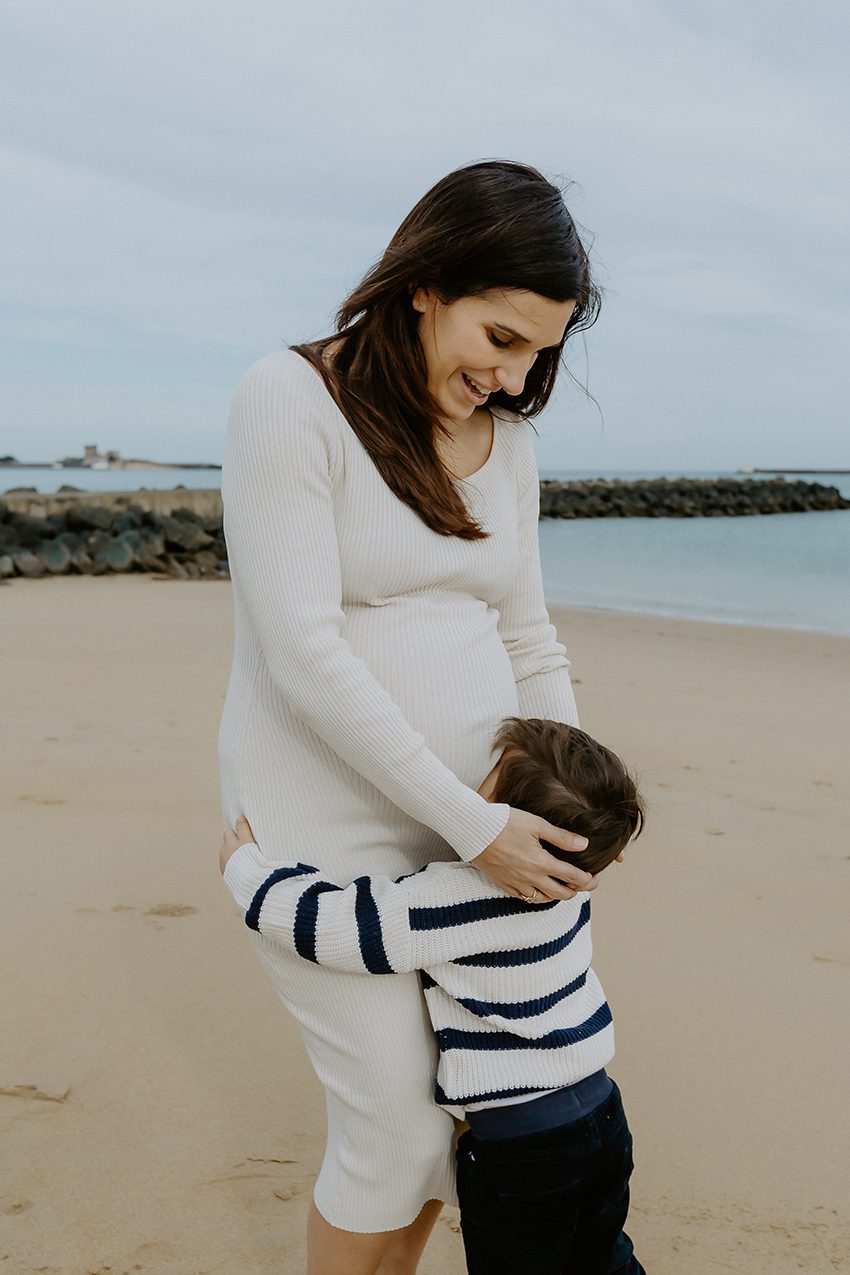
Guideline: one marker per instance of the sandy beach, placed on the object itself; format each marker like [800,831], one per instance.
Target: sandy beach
[157,1111]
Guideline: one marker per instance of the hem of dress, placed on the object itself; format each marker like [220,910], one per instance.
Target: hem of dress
[380,1230]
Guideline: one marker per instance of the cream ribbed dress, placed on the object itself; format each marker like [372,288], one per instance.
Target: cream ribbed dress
[373,660]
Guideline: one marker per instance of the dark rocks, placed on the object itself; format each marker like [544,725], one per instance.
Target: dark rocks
[127,520]
[181,533]
[54,556]
[89,539]
[684,498]
[8,538]
[83,538]
[27,564]
[117,555]
[56,523]
[88,518]
[27,531]
[188,515]
[149,547]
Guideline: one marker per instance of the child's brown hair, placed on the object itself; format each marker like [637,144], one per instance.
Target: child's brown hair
[561,774]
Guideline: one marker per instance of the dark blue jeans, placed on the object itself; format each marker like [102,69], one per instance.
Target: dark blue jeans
[552,1203]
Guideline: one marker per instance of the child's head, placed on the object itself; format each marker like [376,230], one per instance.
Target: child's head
[560,774]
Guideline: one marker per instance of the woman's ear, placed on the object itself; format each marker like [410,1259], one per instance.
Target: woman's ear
[421,299]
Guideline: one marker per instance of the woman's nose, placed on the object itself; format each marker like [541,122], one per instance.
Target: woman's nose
[511,376]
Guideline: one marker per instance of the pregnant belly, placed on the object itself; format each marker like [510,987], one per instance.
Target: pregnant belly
[440,657]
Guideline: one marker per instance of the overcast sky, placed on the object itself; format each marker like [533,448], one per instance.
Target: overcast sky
[187,185]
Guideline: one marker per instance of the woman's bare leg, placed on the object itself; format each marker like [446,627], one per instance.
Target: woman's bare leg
[331,1251]
[405,1247]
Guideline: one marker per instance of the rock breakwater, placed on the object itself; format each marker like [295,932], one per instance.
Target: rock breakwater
[89,537]
[179,533]
[684,498]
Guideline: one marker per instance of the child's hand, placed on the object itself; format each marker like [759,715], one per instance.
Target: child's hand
[233,840]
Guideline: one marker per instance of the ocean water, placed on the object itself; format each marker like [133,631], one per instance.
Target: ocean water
[48,480]
[784,570]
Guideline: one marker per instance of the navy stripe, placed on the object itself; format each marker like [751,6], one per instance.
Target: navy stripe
[252,916]
[562,1038]
[426,980]
[408,875]
[529,955]
[522,1009]
[443,918]
[306,917]
[369,933]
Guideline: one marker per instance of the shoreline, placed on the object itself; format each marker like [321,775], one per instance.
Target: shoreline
[563,608]
[722,621]
[143,1019]
[789,574]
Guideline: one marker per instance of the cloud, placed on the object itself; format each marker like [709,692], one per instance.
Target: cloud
[188,186]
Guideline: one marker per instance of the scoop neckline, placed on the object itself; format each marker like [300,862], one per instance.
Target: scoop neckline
[476,473]
[492,410]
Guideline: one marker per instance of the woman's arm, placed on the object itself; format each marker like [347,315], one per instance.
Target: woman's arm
[539,661]
[375,925]
[281,465]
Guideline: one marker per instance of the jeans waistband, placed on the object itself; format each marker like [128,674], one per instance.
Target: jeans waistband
[561,1106]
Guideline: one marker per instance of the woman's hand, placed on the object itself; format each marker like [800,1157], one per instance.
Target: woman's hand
[518,863]
[233,840]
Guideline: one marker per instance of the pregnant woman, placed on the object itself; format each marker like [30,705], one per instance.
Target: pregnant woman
[381,503]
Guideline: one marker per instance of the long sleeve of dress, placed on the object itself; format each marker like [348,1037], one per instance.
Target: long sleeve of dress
[376,925]
[282,461]
[540,664]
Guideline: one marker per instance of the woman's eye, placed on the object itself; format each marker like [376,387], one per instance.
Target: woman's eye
[501,345]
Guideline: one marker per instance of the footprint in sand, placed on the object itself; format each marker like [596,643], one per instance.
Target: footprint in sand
[257,1187]
[159,910]
[118,907]
[171,909]
[32,1093]
[156,1250]
[715,832]
[42,801]
[824,959]
[17,1206]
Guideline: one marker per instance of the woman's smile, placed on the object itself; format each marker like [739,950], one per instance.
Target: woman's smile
[475,392]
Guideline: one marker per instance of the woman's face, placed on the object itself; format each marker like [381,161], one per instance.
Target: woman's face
[478,345]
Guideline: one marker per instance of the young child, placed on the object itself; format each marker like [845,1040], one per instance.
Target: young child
[522,1025]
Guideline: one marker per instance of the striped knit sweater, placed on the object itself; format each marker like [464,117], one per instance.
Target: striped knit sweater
[514,1004]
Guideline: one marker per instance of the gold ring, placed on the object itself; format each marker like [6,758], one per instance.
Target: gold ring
[529,898]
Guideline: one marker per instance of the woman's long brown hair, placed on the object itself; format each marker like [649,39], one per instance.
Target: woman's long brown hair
[493,224]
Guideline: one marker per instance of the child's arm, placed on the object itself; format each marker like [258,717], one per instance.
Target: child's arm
[375,925]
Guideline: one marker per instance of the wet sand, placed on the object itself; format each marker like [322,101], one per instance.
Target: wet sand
[157,1110]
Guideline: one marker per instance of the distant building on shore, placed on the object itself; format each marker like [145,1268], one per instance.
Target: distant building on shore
[93,458]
